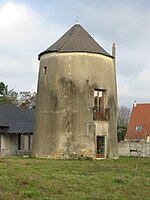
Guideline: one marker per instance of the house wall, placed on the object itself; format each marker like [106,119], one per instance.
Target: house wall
[64,124]
[128,148]
[9,144]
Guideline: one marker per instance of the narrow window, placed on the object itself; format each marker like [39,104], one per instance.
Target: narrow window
[19,141]
[29,142]
[98,104]
[44,69]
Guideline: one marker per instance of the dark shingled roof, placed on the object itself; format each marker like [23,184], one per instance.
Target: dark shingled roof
[76,39]
[15,119]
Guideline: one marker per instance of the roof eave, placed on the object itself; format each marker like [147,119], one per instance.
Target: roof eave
[80,51]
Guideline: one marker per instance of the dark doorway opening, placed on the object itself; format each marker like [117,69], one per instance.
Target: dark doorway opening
[100,147]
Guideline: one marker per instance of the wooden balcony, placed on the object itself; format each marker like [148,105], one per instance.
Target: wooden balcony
[101,116]
[97,116]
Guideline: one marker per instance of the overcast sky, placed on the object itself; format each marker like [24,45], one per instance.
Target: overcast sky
[27,27]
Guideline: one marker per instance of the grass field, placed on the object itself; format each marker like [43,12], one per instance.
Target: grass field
[42,179]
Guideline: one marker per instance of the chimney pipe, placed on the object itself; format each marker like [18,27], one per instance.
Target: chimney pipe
[134,104]
[114,50]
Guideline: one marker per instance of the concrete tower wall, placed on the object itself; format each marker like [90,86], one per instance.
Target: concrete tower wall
[64,125]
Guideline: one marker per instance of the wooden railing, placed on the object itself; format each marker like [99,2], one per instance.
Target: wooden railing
[101,116]
[97,116]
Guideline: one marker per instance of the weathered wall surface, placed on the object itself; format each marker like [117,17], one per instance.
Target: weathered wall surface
[128,148]
[64,125]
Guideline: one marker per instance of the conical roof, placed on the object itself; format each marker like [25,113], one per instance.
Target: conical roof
[76,39]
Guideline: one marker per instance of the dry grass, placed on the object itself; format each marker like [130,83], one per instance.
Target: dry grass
[42,179]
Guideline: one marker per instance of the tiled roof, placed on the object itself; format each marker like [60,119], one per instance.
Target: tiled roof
[15,119]
[140,119]
[76,39]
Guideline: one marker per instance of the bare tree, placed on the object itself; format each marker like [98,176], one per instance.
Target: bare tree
[123,116]
[11,97]
[122,122]
[27,99]
[138,141]
[23,99]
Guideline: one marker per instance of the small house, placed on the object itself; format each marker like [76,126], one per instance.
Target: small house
[16,130]
[139,124]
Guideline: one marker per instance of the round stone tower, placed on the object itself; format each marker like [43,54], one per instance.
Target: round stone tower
[76,109]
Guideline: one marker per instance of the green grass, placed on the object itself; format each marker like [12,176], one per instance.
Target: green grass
[43,179]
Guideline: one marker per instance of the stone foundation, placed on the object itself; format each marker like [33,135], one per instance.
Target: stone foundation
[83,154]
